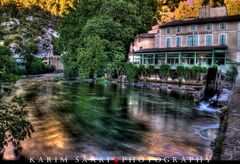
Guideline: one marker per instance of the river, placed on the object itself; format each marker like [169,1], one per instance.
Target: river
[77,119]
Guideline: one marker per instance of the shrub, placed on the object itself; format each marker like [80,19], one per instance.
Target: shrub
[180,71]
[71,70]
[101,80]
[37,67]
[232,73]
[48,68]
[150,70]
[142,71]
[204,70]
[8,41]
[187,73]
[130,71]
[215,66]
[196,72]
[21,71]
[57,79]
[164,71]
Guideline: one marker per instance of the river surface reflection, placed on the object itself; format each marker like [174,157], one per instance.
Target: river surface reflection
[79,119]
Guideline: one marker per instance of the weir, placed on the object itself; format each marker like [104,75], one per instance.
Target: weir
[213,83]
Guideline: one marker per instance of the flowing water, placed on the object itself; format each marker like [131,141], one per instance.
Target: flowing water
[76,119]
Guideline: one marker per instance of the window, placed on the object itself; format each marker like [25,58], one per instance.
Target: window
[192,40]
[148,59]
[168,30]
[168,42]
[209,26]
[160,59]
[223,39]
[173,59]
[208,40]
[204,59]
[178,29]
[178,41]
[223,26]
[219,58]
[193,28]
[187,59]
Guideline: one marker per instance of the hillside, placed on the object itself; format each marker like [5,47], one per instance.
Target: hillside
[27,30]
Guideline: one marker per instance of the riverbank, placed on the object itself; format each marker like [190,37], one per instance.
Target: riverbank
[227,145]
[169,88]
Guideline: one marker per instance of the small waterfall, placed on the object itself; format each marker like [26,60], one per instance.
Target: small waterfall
[206,106]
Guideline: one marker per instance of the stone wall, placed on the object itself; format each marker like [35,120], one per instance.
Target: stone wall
[56,62]
[227,145]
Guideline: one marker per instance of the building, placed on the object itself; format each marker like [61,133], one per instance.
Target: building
[56,62]
[212,38]
[143,41]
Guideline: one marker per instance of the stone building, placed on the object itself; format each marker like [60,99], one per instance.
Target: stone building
[212,38]
[56,62]
[143,41]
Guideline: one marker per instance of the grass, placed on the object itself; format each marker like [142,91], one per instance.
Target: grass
[57,79]
[101,80]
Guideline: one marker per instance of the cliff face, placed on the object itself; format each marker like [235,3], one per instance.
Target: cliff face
[28,29]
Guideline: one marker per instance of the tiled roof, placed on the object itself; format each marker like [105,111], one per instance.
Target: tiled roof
[233,18]
[180,49]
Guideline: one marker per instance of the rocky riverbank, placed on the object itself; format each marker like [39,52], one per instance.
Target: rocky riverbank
[187,90]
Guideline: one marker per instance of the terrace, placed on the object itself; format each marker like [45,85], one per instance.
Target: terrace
[185,56]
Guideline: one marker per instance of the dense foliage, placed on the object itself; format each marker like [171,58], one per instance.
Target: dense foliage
[131,71]
[168,10]
[21,28]
[56,7]
[164,71]
[8,66]
[191,8]
[111,23]
[14,126]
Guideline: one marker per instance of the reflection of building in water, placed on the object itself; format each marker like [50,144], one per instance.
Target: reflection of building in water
[170,134]
[212,38]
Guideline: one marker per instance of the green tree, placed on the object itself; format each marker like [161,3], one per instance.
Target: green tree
[8,66]
[130,71]
[117,65]
[92,59]
[28,51]
[37,66]
[14,126]
[115,22]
